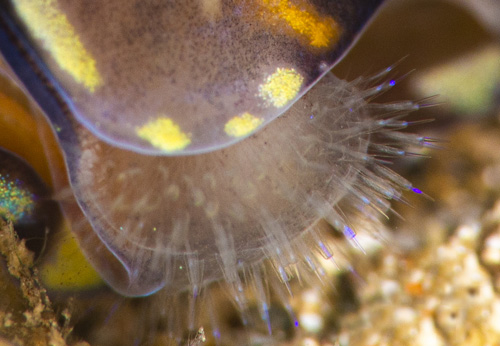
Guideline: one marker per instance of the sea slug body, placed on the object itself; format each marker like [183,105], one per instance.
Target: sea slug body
[198,155]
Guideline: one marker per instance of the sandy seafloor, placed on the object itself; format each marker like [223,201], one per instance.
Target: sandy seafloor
[436,278]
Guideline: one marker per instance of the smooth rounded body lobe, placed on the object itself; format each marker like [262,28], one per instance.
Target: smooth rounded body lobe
[166,77]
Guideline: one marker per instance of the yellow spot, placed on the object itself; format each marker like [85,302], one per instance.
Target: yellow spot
[48,24]
[163,133]
[304,20]
[67,267]
[242,125]
[281,87]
